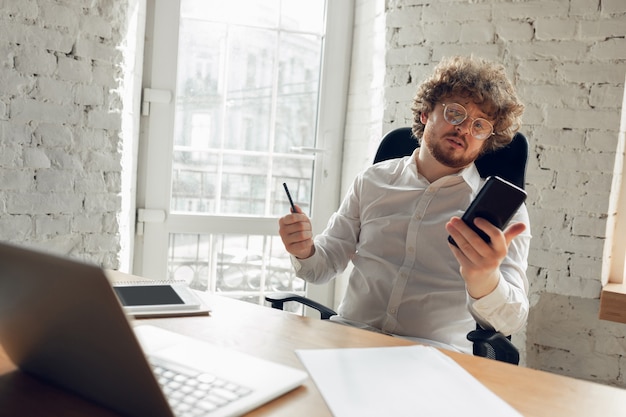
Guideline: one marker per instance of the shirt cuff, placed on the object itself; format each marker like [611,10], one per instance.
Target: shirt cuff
[297,265]
[486,305]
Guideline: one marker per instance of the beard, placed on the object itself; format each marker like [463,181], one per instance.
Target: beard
[441,152]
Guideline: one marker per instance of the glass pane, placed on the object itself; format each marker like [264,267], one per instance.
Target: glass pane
[307,16]
[193,177]
[241,12]
[199,98]
[297,174]
[297,92]
[242,267]
[244,191]
[246,96]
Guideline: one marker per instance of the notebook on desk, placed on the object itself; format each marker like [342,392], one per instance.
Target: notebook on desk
[61,321]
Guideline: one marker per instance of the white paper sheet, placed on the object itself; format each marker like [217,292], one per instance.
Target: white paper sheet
[399,381]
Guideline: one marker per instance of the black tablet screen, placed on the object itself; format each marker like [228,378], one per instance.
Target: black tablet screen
[145,295]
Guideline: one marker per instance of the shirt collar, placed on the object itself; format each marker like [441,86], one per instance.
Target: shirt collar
[469,174]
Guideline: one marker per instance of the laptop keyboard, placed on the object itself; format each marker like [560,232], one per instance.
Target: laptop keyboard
[192,394]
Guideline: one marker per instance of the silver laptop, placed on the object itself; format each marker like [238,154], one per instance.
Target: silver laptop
[61,321]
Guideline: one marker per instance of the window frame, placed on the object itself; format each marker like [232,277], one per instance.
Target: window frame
[159,74]
[613,295]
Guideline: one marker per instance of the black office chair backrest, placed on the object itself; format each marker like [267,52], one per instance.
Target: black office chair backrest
[508,162]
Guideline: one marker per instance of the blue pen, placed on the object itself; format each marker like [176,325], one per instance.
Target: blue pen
[293,207]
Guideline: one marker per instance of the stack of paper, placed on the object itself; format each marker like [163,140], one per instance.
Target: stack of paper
[399,381]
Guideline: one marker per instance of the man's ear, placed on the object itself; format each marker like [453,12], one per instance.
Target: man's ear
[423,117]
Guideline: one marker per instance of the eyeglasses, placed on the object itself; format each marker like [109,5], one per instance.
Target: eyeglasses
[455,114]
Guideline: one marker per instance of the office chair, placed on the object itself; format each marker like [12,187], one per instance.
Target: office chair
[508,163]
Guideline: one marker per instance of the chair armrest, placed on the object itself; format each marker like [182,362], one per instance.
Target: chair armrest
[487,343]
[278,299]
[493,345]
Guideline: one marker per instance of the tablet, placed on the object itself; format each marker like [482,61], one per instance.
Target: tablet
[159,299]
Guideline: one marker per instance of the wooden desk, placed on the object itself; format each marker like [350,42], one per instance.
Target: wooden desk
[274,335]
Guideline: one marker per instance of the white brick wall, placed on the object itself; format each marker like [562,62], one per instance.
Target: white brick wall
[568,60]
[62,143]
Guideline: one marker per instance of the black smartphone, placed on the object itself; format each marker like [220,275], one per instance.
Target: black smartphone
[496,202]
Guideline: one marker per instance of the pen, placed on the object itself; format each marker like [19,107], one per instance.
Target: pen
[293,207]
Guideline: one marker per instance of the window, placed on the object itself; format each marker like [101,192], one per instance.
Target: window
[254,103]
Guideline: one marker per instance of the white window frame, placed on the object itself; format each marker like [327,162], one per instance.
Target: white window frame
[614,259]
[613,296]
[330,131]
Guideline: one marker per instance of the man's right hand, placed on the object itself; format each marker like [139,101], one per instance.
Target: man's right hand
[297,234]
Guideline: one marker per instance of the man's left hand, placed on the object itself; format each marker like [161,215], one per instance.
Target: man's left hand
[480,261]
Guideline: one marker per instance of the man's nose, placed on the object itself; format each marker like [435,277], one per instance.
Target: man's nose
[465,126]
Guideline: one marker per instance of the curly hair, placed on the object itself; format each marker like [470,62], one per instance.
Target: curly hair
[483,82]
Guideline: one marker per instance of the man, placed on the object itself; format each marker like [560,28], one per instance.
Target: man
[393,223]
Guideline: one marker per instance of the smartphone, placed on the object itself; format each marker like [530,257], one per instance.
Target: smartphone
[293,206]
[496,202]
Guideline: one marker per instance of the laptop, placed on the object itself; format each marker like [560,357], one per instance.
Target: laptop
[61,321]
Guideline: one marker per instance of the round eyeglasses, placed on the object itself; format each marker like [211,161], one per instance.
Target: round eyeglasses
[455,114]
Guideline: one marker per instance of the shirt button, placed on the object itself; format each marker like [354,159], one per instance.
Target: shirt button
[393,310]
[411,249]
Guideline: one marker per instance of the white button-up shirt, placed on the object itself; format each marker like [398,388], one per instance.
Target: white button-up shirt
[405,279]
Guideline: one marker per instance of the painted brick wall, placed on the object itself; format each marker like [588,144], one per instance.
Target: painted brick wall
[567,59]
[62,76]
